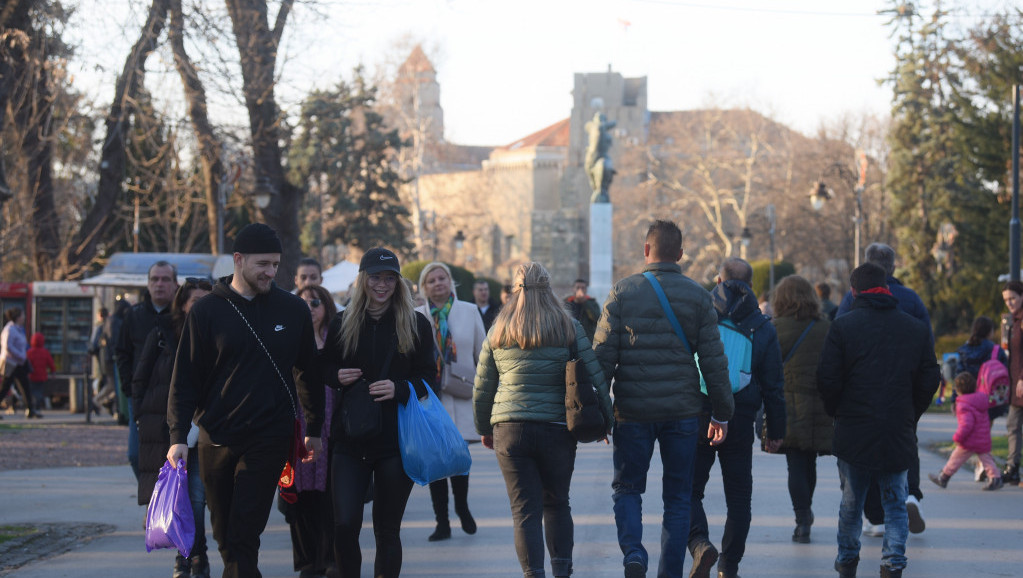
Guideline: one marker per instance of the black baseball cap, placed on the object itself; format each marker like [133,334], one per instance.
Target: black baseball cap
[378,260]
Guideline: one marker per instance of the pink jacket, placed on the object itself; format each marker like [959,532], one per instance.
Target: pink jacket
[974,431]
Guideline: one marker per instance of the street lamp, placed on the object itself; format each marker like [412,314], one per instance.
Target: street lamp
[820,194]
[263,192]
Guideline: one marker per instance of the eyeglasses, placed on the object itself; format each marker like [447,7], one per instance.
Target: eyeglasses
[379,279]
[314,303]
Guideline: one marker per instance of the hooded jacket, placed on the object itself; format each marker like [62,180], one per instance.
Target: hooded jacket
[974,430]
[39,358]
[735,300]
[655,377]
[223,373]
[908,301]
[877,376]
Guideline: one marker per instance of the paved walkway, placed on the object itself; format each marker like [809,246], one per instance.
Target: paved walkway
[969,532]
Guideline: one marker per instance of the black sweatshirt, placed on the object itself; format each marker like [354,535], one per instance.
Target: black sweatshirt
[222,372]
[417,367]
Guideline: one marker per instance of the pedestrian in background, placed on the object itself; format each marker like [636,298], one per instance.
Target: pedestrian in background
[1012,294]
[583,308]
[519,409]
[14,359]
[150,392]
[310,517]
[877,376]
[41,364]
[379,339]
[973,434]
[459,335]
[802,326]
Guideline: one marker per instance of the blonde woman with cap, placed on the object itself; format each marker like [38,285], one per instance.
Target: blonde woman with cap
[459,335]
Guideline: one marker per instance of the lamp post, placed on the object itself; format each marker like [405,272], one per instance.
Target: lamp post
[821,194]
[459,245]
[1014,225]
[263,192]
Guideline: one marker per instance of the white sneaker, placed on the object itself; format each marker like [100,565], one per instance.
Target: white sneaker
[874,530]
[916,518]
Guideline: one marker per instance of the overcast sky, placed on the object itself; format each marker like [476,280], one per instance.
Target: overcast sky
[506,68]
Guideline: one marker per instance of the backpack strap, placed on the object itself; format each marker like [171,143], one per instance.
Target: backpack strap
[795,346]
[994,352]
[667,310]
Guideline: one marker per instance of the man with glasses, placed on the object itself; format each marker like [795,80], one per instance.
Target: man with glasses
[161,284]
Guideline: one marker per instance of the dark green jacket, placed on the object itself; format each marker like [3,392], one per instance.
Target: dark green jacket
[655,378]
[808,426]
[515,384]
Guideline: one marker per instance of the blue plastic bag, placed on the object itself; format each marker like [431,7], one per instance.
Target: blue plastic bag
[169,521]
[431,446]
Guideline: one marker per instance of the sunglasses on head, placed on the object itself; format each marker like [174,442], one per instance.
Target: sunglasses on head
[200,282]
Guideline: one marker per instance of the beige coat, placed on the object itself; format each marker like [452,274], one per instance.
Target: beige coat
[466,327]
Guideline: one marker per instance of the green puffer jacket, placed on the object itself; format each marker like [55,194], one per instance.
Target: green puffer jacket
[655,379]
[808,425]
[515,384]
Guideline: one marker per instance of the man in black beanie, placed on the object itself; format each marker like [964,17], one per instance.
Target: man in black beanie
[245,367]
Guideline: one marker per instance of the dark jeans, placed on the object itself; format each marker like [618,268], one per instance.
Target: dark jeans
[633,448]
[350,478]
[736,456]
[537,460]
[312,531]
[802,466]
[240,482]
[439,496]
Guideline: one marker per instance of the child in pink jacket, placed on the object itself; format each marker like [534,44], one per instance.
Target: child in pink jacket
[973,436]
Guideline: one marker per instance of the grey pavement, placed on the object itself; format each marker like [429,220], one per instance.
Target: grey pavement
[969,532]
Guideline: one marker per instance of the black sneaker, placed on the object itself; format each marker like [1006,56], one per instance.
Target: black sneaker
[182,567]
[635,569]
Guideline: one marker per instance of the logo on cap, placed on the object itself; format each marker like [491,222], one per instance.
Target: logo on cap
[384,257]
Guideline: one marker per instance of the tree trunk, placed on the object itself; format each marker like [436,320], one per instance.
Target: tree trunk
[257,49]
[209,145]
[100,218]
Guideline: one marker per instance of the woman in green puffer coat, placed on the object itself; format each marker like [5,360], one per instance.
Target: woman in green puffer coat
[802,329]
[519,410]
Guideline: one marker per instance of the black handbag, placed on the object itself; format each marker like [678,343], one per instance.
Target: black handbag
[582,409]
[361,415]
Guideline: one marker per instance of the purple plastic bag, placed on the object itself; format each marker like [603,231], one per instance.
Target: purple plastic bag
[169,521]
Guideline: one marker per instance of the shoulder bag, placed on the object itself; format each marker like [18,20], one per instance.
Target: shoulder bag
[792,351]
[360,413]
[582,409]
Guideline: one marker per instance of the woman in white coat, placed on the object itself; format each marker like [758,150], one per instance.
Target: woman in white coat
[459,335]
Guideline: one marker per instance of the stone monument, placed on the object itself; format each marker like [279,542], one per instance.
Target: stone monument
[600,172]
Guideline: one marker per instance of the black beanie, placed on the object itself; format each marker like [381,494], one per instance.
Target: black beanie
[257,238]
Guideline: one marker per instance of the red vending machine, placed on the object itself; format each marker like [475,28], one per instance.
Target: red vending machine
[16,295]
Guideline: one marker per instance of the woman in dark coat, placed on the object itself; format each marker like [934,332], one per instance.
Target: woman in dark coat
[150,388]
[801,331]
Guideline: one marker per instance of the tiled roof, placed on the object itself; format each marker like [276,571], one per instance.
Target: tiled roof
[555,135]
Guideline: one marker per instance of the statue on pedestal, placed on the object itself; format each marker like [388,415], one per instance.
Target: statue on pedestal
[598,163]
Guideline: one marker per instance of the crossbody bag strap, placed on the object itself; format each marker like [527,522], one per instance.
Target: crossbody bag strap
[284,382]
[795,345]
[667,310]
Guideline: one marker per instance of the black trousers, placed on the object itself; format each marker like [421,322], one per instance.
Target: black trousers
[439,496]
[240,482]
[312,531]
[18,378]
[350,478]
[802,467]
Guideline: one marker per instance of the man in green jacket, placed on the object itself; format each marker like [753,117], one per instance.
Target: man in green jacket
[657,393]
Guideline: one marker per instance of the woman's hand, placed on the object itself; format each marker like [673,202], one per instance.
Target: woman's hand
[1019,389]
[488,442]
[382,390]
[348,376]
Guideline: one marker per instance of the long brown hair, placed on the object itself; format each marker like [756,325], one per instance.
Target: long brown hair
[533,316]
[795,297]
[326,301]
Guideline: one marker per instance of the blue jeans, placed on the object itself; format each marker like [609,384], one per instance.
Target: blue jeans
[855,483]
[537,460]
[736,457]
[197,495]
[633,448]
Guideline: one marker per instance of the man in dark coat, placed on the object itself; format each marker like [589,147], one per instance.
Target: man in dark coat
[877,375]
[735,301]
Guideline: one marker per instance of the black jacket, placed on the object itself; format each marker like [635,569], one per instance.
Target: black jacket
[376,338]
[222,371]
[736,301]
[135,328]
[150,390]
[877,375]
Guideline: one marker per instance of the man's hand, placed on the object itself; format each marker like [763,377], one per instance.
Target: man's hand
[717,432]
[772,446]
[177,452]
[313,446]
[488,442]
